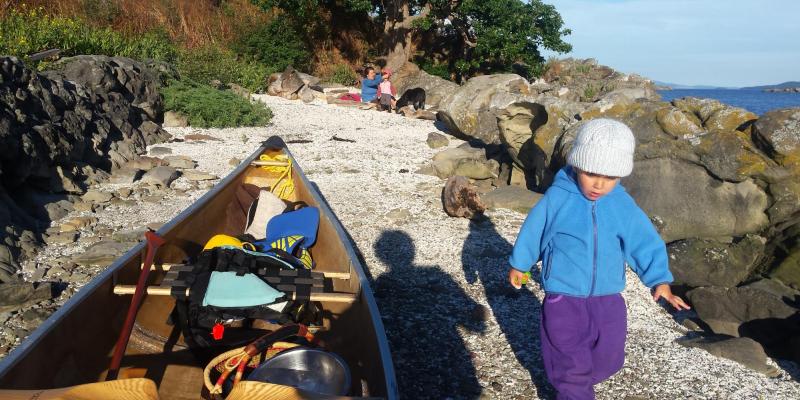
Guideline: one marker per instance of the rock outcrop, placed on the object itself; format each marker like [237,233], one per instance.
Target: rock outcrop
[62,130]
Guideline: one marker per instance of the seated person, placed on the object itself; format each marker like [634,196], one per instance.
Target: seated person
[369,85]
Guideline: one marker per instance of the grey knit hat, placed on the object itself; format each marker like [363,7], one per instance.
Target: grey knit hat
[603,146]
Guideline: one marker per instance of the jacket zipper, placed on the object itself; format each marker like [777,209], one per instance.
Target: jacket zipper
[594,258]
[549,264]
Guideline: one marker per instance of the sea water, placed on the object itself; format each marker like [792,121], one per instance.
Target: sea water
[756,101]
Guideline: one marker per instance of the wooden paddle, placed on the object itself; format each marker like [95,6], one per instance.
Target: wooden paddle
[153,243]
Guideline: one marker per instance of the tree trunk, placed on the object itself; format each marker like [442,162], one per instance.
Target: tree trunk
[398,32]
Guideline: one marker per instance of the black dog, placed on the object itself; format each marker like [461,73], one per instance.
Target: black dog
[414,97]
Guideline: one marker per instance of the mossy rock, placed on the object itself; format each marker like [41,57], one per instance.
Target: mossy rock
[788,271]
[677,123]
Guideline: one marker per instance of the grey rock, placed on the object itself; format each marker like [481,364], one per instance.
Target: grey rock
[62,238]
[161,176]
[745,351]
[748,312]
[436,140]
[84,206]
[129,235]
[14,296]
[145,163]
[684,201]
[194,175]
[411,76]
[58,210]
[698,262]
[511,197]
[778,132]
[160,151]
[234,162]
[476,169]
[124,192]
[96,196]
[471,110]
[173,119]
[102,253]
[126,175]
[182,162]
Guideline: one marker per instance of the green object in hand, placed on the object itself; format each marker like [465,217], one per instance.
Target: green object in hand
[526,278]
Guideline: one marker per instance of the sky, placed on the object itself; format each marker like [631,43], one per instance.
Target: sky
[729,43]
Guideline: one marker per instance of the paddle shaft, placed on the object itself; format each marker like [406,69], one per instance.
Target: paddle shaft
[153,243]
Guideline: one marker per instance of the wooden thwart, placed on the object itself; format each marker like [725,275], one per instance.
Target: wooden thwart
[328,274]
[260,163]
[168,291]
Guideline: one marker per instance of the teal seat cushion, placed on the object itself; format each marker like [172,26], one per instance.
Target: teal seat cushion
[225,289]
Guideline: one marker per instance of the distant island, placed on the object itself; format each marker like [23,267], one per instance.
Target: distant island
[785,87]
[792,86]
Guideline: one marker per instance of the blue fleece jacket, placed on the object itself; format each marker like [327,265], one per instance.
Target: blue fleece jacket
[369,88]
[585,244]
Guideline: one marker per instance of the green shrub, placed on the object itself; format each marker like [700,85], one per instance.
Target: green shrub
[343,75]
[211,62]
[27,31]
[435,69]
[207,107]
[276,45]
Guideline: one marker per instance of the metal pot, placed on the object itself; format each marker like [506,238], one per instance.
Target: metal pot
[308,369]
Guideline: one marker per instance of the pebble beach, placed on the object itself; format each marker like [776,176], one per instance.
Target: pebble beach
[455,327]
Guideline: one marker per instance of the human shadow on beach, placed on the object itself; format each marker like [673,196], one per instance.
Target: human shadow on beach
[517,312]
[424,310]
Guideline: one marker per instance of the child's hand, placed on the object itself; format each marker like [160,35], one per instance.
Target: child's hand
[663,291]
[516,277]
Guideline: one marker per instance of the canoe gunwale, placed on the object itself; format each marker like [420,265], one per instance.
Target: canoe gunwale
[8,362]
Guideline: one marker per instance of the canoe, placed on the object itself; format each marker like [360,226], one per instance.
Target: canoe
[74,346]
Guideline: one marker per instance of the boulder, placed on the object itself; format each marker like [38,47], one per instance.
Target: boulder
[291,82]
[174,119]
[683,201]
[778,133]
[145,163]
[96,196]
[531,130]
[788,271]
[511,197]
[126,175]
[699,262]
[745,351]
[436,140]
[748,312]
[461,199]
[194,175]
[471,110]
[678,124]
[161,176]
[446,162]
[476,169]
[102,253]
[14,296]
[183,162]
[436,89]
[786,200]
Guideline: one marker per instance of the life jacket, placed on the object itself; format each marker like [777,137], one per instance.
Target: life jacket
[232,290]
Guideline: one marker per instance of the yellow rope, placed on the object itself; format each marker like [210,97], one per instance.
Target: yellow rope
[284,186]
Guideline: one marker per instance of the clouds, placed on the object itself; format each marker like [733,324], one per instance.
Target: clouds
[715,42]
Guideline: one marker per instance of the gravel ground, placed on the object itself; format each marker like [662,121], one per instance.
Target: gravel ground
[455,327]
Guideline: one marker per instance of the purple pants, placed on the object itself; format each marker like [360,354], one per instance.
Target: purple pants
[583,342]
